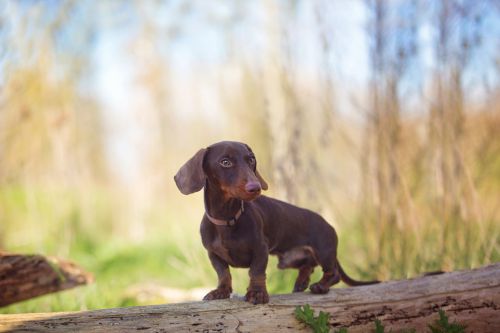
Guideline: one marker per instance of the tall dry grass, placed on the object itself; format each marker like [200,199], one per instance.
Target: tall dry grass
[422,205]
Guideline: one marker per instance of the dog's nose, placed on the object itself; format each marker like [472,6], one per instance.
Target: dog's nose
[252,187]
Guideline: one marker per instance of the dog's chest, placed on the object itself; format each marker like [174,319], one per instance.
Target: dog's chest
[232,249]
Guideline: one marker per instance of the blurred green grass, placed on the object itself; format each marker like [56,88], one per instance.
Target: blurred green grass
[163,262]
[171,255]
[86,228]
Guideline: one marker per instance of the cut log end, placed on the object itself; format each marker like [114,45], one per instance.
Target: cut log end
[26,276]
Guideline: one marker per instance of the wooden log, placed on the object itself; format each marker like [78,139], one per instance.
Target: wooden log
[26,276]
[469,297]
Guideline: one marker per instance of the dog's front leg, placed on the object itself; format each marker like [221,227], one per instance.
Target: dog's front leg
[224,287]
[257,291]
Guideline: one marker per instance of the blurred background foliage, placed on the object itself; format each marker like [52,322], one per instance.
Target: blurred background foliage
[382,115]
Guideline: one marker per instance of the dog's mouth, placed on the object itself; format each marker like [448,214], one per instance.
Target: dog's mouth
[250,196]
[241,194]
[246,196]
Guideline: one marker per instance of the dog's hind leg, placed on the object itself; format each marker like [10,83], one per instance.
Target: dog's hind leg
[331,275]
[303,279]
[302,258]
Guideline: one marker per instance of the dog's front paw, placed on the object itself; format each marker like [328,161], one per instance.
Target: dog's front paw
[300,286]
[219,293]
[257,296]
[318,288]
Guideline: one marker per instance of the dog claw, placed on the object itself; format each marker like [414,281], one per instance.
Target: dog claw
[257,297]
[318,288]
[217,294]
[298,288]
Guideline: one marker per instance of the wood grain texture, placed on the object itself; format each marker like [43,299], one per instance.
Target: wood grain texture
[470,297]
[26,276]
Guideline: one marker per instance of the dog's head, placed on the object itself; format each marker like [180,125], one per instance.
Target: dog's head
[229,165]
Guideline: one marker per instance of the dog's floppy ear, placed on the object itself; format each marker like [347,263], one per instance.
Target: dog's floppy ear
[191,177]
[263,183]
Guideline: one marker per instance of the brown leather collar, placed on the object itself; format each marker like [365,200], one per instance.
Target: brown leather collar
[227,223]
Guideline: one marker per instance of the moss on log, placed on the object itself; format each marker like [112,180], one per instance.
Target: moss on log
[26,276]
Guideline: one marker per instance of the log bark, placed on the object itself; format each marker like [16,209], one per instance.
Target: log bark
[26,276]
[468,297]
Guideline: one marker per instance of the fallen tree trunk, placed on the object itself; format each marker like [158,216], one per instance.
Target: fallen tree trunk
[26,276]
[468,297]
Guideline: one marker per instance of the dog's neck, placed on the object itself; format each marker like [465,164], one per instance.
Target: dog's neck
[217,205]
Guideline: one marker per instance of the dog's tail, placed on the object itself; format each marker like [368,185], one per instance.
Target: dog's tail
[350,281]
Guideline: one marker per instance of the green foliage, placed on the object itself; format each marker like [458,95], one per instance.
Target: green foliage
[319,323]
[379,328]
[442,325]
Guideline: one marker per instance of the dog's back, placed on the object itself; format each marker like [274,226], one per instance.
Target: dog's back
[287,226]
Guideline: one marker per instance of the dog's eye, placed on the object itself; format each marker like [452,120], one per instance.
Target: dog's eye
[251,160]
[226,163]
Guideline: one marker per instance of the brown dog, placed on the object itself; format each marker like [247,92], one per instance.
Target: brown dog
[241,228]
